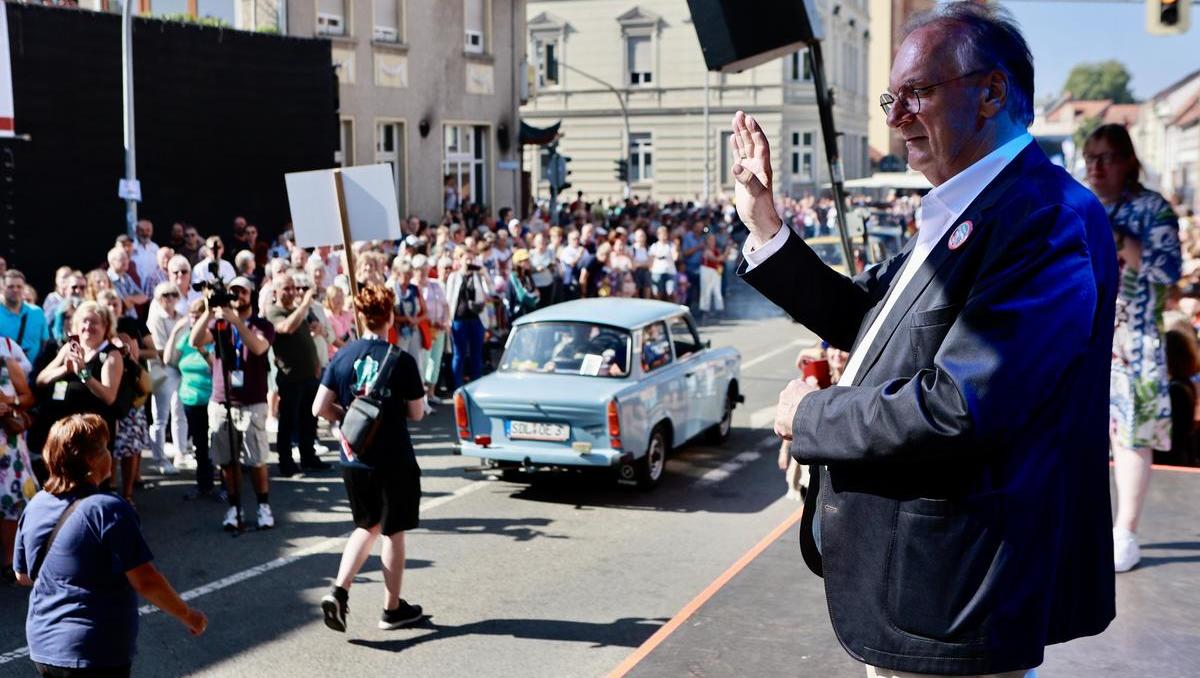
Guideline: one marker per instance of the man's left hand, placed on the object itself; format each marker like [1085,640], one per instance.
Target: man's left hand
[789,401]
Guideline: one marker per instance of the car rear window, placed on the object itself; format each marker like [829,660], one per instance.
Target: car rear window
[585,349]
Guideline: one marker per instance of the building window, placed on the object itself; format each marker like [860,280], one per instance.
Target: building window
[475,26]
[638,58]
[464,168]
[265,16]
[641,157]
[344,155]
[546,51]
[802,156]
[800,66]
[388,16]
[389,149]
[332,18]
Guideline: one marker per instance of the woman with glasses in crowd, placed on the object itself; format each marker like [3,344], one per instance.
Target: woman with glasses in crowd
[86,578]
[162,317]
[1148,254]
[133,431]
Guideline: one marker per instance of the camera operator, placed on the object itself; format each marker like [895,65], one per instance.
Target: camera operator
[245,343]
[298,372]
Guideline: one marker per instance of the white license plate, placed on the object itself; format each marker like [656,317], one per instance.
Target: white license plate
[531,430]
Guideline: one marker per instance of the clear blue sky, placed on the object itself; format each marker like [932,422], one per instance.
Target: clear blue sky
[1062,34]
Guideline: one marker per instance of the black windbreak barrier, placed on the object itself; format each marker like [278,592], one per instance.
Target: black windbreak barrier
[221,115]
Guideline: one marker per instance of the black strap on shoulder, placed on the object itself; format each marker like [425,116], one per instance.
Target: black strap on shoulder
[21,329]
[381,388]
[41,557]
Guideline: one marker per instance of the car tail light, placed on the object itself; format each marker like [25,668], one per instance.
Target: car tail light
[460,416]
[483,441]
[614,425]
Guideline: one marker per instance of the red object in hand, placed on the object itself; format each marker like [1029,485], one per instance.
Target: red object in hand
[819,368]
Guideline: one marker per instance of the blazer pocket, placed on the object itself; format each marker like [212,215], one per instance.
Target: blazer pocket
[937,573]
[936,316]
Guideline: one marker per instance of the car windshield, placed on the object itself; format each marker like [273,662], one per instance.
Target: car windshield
[567,348]
[829,252]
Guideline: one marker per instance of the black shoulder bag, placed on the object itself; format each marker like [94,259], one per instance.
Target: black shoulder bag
[62,520]
[361,423]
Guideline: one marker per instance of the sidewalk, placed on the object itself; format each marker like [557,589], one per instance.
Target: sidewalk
[770,619]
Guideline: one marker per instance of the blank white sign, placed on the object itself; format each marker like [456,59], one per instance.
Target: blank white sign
[371,207]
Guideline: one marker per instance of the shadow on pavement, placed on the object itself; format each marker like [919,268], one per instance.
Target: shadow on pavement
[520,529]
[624,632]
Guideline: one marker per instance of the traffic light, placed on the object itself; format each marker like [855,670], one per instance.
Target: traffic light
[1167,17]
[563,172]
[622,170]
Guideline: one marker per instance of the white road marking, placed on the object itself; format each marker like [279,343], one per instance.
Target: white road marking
[724,471]
[763,417]
[804,343]
[250,573]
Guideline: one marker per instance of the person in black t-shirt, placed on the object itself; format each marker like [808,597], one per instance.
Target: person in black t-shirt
[384,497]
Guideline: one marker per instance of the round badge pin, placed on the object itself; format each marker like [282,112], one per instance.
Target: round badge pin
[960,234]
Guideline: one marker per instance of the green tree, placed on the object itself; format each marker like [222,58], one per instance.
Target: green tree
[1104,80]
[1086,127]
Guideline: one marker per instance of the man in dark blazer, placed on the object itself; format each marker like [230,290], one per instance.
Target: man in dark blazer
[963,520]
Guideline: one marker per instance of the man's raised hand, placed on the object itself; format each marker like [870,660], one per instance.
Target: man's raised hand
[751,171]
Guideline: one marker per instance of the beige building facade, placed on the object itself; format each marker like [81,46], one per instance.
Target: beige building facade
[588,57]
[431,87]
[888,18]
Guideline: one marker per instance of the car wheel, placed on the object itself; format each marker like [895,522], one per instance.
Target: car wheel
[651,467]
[720,431]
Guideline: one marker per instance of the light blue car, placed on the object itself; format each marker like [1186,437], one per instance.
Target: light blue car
[608,383]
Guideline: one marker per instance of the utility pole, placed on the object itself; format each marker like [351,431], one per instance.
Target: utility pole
[707,141]
[624,112]
[131,207]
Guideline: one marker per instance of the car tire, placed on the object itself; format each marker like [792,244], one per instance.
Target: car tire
[718,433]
[649,470]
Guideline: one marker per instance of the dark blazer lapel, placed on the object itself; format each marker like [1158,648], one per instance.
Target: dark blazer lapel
[941,252]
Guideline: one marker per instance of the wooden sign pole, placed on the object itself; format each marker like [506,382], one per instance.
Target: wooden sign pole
[348,250]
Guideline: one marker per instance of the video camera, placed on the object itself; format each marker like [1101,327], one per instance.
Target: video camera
[214,288]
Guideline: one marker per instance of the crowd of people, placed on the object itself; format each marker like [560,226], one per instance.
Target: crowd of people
[138,342]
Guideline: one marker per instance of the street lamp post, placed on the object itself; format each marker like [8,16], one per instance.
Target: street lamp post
[624,112]
[131,208]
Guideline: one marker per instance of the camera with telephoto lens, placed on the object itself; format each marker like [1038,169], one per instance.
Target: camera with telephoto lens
[214,288]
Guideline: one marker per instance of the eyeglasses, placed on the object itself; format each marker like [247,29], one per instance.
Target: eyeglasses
[910,97]
[78,287]
[181,271]
[1106,158]
[170,295]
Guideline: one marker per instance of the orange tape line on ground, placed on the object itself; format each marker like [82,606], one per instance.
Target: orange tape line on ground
[690,609]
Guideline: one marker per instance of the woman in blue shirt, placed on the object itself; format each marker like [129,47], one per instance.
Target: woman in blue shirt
[83,612]
[384,497]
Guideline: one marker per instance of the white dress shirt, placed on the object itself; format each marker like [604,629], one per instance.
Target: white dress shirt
[941,208]
[144,258]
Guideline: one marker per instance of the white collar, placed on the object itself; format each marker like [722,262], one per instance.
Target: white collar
[957,192]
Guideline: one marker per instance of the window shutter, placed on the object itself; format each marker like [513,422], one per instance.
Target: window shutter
[387,15]
[473,20]
[639,54]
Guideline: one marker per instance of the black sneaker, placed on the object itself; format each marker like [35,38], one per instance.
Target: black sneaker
[288,469]
[314,464]
[335,606]
[403,615]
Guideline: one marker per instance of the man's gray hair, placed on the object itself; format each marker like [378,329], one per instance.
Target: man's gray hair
[990,38]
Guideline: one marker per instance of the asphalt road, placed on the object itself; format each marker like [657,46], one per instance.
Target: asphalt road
[564,575]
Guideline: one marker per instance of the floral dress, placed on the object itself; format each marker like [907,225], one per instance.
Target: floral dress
[1139,397]
[17,483]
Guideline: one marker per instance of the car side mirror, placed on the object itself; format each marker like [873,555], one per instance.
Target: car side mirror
[708,343]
